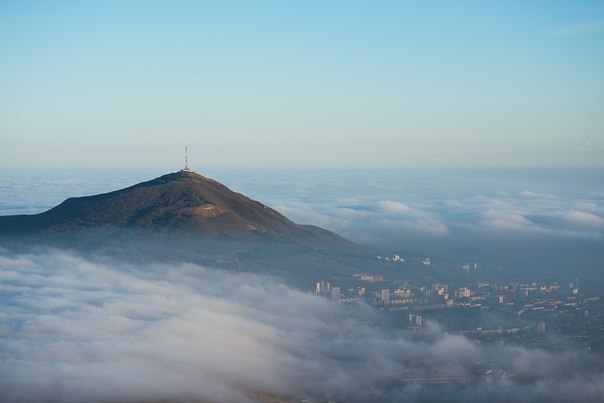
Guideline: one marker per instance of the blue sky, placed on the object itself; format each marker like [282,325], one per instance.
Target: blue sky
[342,84]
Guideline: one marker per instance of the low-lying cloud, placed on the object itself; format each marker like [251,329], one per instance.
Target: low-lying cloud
[369,222]
[583,220]
[532,195]
[521,221]
[73,329]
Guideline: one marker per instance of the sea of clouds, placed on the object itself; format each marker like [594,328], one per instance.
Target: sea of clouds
[73,330]
[522,220]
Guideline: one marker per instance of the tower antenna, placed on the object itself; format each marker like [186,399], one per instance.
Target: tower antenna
[186,168]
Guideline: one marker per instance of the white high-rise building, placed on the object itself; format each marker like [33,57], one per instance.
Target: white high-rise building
[335,293]
[385,295]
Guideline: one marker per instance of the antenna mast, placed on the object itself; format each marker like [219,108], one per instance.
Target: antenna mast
[186,168]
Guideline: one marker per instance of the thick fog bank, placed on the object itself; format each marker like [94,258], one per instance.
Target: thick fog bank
[76,330]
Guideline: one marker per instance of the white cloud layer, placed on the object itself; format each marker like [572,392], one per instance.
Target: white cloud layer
[75,330]
[583,220]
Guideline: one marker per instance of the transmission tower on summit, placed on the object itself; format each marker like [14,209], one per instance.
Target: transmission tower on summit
[186,168]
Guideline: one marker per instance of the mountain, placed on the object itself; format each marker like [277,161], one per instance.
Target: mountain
[183,202]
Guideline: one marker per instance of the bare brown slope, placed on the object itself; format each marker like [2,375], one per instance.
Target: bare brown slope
[183,201]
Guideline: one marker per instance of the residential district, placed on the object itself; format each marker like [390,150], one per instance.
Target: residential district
[547,315]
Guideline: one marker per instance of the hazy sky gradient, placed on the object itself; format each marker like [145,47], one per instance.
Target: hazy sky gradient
[301,83]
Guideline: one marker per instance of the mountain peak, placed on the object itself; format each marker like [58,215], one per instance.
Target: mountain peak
[175,176]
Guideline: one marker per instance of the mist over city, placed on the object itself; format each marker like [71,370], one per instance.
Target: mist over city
[72,326]
[301,202]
